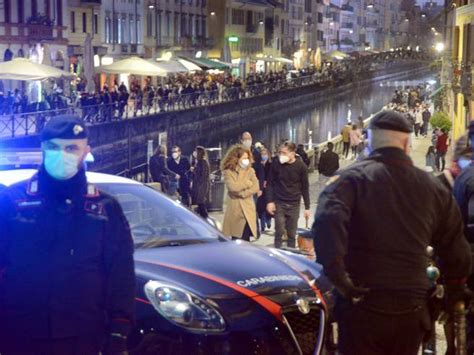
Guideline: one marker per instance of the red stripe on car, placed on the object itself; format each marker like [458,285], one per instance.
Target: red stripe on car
[269,305]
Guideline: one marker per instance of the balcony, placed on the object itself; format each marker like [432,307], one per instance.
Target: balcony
[202,42]
[251,28]
[347,8]
[37,32]
[347,25]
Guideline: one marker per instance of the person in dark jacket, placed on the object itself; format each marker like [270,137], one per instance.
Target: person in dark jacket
[201,181]
[67,281]
[372,227]
[161,173]
[328,162]
[463,191]
[180,165]
[287,184]
[426,120]
[264,217]
[302,153]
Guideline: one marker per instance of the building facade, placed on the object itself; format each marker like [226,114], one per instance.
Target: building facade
[36,29]
[459,88]
[83,19]
[180,26]
[123,27]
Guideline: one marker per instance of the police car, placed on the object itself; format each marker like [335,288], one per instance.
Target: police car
[199,292]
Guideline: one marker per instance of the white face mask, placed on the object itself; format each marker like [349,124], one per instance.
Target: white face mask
[247,143]
[61,165]
[175,156]
[463,163]
[195,154]
[284,159]
[244,163]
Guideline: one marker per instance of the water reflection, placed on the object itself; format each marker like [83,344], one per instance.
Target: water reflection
[326,118]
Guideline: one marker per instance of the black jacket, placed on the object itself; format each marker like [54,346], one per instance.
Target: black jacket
[463,191]
[159,169]
[288,183]
[201,182]
[328,163]
[182,169]
[66,260]
[375,220]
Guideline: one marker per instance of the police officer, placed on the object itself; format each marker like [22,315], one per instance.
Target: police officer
[373,224]
[463,191]
[67,279]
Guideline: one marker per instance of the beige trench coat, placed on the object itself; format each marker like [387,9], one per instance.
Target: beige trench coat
[240,208]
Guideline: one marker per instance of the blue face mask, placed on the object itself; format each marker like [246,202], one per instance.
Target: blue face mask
[264,157]
[61,165]
[463,163]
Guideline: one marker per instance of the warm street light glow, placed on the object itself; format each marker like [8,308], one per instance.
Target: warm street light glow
[213,13]
[433,29]
[439,47]
[423,15]
[351,32]
[261,22]
[151,6]
[370,6]
[331,23]
[406,20]
[198,54]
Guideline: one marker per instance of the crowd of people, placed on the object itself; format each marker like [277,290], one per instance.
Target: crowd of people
[182,91]
[254,176]
[175,92]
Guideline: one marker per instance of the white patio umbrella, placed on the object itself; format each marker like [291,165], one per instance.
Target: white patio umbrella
[25,69]
[177,65]
[133,65]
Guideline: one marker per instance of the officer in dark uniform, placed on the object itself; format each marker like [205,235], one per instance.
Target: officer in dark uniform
[67,279]
[463,191]
[372,227]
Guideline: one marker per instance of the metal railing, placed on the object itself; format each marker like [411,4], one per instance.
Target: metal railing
[21,124]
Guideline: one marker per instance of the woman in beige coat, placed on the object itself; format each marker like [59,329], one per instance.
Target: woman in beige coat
[240,217]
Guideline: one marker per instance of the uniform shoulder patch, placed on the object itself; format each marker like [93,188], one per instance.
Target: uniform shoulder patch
[332,180]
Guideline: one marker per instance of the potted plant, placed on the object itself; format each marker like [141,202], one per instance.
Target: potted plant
[441,120]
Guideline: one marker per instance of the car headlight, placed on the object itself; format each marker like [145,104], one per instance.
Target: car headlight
[183,308]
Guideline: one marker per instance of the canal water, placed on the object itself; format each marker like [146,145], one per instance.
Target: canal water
[325,119]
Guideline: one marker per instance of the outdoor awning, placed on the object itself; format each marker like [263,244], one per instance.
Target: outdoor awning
[176,65]
[208,64]
[338,55]
[284,60]
[264,59]
[25,69]
[132,65]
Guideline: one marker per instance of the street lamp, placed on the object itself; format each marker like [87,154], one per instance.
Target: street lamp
[439,47]
[213,13]
[370,6]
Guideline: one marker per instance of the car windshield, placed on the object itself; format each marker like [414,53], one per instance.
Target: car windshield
[157,221]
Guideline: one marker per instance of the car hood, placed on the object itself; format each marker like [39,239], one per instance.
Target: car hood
[226,269]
